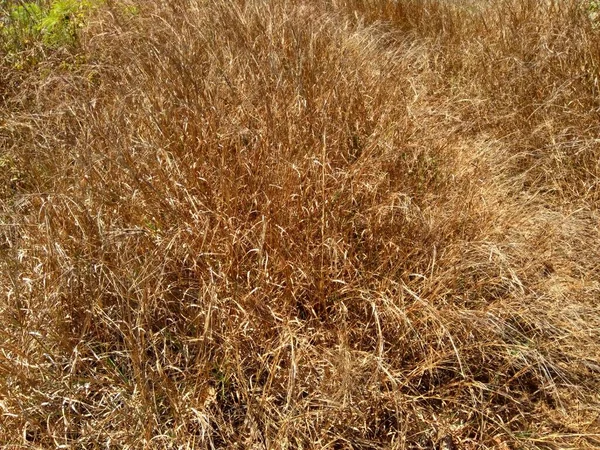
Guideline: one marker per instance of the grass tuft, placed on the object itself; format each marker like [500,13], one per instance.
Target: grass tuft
[292,224]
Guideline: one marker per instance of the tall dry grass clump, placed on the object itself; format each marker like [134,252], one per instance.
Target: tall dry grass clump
[293,224]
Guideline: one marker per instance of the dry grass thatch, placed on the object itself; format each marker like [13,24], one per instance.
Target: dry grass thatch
[304,224]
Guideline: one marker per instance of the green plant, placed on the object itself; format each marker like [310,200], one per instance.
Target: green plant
[59,26]
[20,25]
[593,10]
[131,10]
[40,26]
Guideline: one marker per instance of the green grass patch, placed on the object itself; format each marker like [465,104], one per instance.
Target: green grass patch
[31,30]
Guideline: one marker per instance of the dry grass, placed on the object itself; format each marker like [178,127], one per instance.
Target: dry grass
[304,224]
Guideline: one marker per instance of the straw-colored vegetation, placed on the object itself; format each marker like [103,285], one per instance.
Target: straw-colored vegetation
[342,224]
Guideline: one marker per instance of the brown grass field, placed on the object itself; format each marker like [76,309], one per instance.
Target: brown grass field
[303,224]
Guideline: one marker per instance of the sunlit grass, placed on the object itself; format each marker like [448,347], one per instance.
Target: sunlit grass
[328,224]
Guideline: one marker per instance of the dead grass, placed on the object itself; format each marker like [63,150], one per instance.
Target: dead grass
[293,224]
